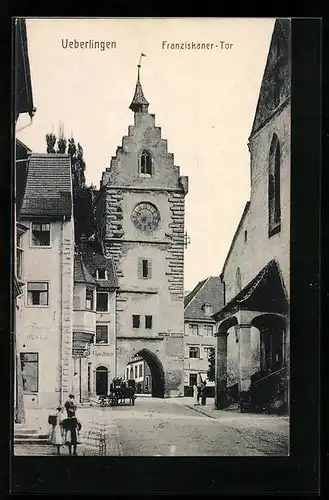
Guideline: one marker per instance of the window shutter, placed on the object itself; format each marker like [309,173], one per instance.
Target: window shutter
[186,354]
[140,268]
[149,268]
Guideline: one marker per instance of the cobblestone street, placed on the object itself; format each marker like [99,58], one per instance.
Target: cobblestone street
[173,427]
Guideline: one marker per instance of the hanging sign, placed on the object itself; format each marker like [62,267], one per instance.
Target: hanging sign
[80,352]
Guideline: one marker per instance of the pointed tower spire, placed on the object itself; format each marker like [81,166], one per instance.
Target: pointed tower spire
[139,104]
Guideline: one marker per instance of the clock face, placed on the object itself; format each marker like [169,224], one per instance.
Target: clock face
[146,217]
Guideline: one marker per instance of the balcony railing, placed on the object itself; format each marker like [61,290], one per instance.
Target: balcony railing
[268,391]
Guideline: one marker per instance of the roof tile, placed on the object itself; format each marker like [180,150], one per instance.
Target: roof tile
[208,291]
[48,190]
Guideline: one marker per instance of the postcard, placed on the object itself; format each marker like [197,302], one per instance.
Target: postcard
[152,243]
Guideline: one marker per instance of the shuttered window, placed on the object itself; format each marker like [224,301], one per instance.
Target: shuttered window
[136,320]
[76,302]
[40,235]
[89,299]
[37,294]
[102,334]
[144,268]
[208,330]
[194,352]
[30,371]
[148,321]
[102,302]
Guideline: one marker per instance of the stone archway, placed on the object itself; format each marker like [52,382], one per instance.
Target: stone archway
[269,387]
[157,372]
[221,361]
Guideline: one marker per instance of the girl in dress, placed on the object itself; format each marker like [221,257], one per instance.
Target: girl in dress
[57,430]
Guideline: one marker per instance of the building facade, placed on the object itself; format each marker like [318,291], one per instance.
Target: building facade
[44,315]
[253,336]
[23,105]
[140,220]
[94,323]
[199,334]
[138,370]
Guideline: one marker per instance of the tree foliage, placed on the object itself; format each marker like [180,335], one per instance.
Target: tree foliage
[51,141]
[61,142]
[83,195]
[212,361]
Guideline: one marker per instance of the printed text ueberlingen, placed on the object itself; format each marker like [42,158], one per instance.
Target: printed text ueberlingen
[88,44]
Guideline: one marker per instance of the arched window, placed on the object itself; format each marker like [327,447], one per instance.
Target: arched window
[146,163]
[274,184]
[238,284]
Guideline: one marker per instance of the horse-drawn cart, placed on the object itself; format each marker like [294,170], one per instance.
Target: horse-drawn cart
[120,391]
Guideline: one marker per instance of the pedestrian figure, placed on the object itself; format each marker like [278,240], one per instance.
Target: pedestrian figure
[57,430]
[195,394]
[72,426]
[70,406]
[199,386]
[204,392]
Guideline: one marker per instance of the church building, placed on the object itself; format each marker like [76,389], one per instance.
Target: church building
[140,211]
[253,335]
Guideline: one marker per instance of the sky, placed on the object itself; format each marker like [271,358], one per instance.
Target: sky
[203,100]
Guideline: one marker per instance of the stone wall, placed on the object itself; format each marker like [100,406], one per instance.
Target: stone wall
[176,249]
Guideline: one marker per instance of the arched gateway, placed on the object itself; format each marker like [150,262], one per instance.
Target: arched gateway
[166,375]
[157,373]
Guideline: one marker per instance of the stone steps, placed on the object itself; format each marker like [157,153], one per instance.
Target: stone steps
[32,439]
[29,435]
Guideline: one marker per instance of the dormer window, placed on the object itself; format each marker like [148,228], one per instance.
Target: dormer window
[101,274]
[207,309]
[146,163]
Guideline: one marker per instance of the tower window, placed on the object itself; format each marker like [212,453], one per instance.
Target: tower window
[146,163]
[274,185]
[148,321]
[144,268]
[136,320]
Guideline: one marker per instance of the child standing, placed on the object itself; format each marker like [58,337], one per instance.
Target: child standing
[57,430]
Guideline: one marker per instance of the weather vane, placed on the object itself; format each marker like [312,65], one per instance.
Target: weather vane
[140,59]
